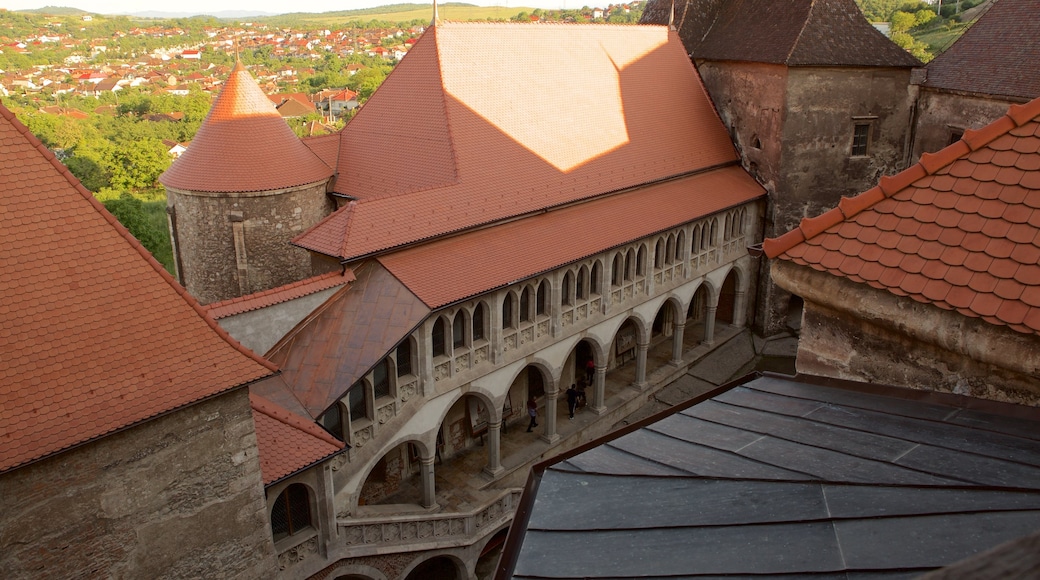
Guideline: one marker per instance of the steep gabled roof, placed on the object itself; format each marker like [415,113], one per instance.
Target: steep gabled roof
[287,442]
[999,55]
[94,335]
[959,230]
[795,33]
[244,145]
[554,114]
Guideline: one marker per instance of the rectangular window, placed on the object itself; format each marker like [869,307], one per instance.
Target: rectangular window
[860,139]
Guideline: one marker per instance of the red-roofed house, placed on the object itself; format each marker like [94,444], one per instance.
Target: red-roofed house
[127,445]
[932,277]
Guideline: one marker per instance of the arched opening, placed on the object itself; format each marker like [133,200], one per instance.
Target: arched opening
[332,421]
[617,271]
[727,299]
[680,243]
[395,479]
[525,304]
[623,355]
[438,568]
[659,255]
[663,323]
[381,379]
[641,261]
[507,311]
[541,307]
[458,330]
[630,258]
[696,315]
[403,356]
[437,338]
[594,278]
[291,513]
[479,331]
[565,290]
[582,284]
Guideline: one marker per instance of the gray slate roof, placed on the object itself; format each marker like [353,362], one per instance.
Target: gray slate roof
[792,32]
[999,55]
[778,476]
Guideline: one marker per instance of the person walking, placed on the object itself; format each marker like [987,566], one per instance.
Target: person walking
[532,411]
[572,399]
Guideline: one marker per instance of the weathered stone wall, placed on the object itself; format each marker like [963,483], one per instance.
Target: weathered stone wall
[179,496]
[833,345]
[259,330]
[855,332]
[940,114]
[205,224]
[823,105]
[750,98]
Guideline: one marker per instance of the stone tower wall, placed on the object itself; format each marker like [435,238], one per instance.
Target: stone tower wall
[180,496]
[232,244]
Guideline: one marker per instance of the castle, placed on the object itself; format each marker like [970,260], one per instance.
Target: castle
[491,228]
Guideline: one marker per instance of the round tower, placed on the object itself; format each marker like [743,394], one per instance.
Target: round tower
[245,186]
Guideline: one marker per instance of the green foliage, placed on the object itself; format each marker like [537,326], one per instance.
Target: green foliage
[131,213]
[902,22]
[922,17]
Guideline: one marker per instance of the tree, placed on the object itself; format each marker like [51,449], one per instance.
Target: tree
[130,212]
[902,22]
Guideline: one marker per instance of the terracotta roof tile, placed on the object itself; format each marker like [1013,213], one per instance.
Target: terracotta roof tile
[287,442]
[96,337]
[455,268]
[462,150]
[968,239]
[278,295]
[244,120]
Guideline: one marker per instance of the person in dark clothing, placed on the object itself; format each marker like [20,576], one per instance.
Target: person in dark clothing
[590,371]
[572,399]
[532,411]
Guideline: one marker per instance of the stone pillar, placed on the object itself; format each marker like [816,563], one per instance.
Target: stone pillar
[709,326]
[429,491]
[739,309]
[494,448]
[549,434]
[678,328]
[599,390]
[641,349]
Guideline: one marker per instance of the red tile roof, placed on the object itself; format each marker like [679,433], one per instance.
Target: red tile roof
[94,334]
[959,230]
[999,55]
[278,295]
[554,114]
[287,442]
[455,268]
[794,32]
[244,145]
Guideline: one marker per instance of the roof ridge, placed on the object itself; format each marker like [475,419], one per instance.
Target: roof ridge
[929,164]
[125,233]
[279,413]
[226,308]
[798,38]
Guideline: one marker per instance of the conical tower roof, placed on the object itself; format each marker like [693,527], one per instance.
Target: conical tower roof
[244,145]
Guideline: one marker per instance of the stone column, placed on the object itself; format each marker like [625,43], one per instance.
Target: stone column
[641,349]
[429,492]
[678,328]
[494,448]
[599,390]
[709,326]
[549,434]
[739,309]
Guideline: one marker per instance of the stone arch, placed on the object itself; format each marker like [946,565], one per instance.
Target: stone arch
[617,270]
[440,566]
[439,338]
[595,274]
[728,292]
[667,315]
[509,309]
[356,572]
[386,479]
[659,251]
[680,245]
[480,317]
[490,552]
[286,488]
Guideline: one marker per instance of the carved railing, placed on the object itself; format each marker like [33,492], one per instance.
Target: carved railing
[387,534]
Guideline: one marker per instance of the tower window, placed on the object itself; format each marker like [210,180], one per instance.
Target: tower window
[860,139]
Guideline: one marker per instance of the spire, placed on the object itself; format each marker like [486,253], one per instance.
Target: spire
[671,17]
[436,18]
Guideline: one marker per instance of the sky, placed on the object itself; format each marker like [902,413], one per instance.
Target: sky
[270,6]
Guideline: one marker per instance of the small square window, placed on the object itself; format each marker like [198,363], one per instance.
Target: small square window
[860,139]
